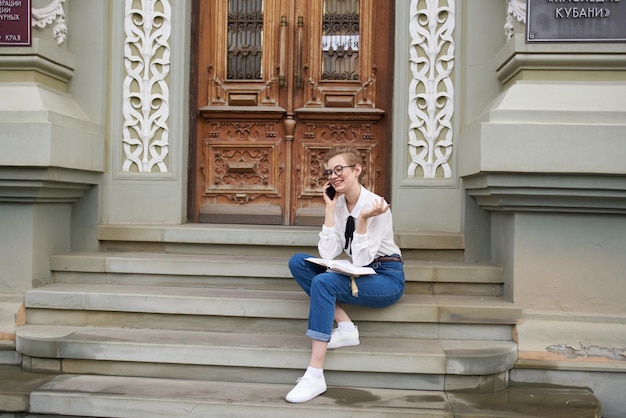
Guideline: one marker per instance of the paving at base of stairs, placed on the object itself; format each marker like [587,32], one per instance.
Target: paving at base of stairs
[32,394]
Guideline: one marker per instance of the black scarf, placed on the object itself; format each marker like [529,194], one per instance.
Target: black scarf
[349,233]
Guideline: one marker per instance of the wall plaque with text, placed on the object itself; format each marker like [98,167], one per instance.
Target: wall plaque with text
[15,25]
[575,21]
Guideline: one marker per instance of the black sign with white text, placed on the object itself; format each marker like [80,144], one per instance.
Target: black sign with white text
[575,21]
[15,25]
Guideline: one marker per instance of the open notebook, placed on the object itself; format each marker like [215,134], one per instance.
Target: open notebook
[345,267]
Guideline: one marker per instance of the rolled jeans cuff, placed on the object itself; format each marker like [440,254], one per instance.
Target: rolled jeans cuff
[317,335]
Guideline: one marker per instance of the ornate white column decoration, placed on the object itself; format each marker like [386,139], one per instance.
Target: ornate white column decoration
[47,15]
[515,10]
[145,89]
[431,91]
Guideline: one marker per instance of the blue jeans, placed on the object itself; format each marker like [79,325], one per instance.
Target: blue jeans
[325,288]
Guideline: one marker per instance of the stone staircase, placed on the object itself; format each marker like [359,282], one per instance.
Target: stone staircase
[205,320]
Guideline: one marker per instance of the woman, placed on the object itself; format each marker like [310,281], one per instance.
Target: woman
[358,222]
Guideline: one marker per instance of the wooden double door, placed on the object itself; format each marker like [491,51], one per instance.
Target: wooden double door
[276,84]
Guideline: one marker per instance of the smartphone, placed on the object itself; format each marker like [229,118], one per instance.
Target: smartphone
[331,192]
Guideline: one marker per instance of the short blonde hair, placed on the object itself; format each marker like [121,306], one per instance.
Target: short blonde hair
[352,155]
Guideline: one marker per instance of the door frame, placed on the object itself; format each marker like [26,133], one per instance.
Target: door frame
[383,53]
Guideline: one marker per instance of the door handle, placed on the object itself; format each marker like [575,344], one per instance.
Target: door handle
[283,51]
[299,52]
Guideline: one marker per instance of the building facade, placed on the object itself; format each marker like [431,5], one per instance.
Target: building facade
[519,146]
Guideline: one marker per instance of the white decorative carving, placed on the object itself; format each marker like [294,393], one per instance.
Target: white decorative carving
[431,91]
[515,10]
[47,15]
[146,91]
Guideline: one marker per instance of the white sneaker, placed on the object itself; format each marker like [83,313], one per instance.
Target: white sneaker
[306,389]
[339,338]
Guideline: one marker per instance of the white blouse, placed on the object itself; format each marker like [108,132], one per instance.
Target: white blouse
[377,242]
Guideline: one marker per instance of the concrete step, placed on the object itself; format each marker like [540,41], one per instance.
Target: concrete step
[251,303]
[148,268]
[16,386]
[8,355]
[114,396]
[382,355]
[261,240]
[290,326]
[140,397]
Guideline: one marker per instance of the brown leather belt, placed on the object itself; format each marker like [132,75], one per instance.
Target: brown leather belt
[389,258]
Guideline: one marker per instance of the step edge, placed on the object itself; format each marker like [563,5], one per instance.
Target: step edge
[261,235]
[266,396]
[69,342]
[258,303]
[199,265]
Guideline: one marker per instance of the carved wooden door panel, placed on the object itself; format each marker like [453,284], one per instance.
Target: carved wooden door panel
[279,83]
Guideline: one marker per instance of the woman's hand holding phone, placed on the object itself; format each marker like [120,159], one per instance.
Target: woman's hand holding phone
[330,191]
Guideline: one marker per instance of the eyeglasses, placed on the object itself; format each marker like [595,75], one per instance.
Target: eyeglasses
[338,170]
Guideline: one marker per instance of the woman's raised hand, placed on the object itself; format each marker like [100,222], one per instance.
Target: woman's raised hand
[378,207]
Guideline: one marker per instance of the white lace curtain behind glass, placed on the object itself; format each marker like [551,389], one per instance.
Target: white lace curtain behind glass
[340,40]
[245,39]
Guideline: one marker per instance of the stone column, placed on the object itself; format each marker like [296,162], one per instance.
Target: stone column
[51,155]
[546,159]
